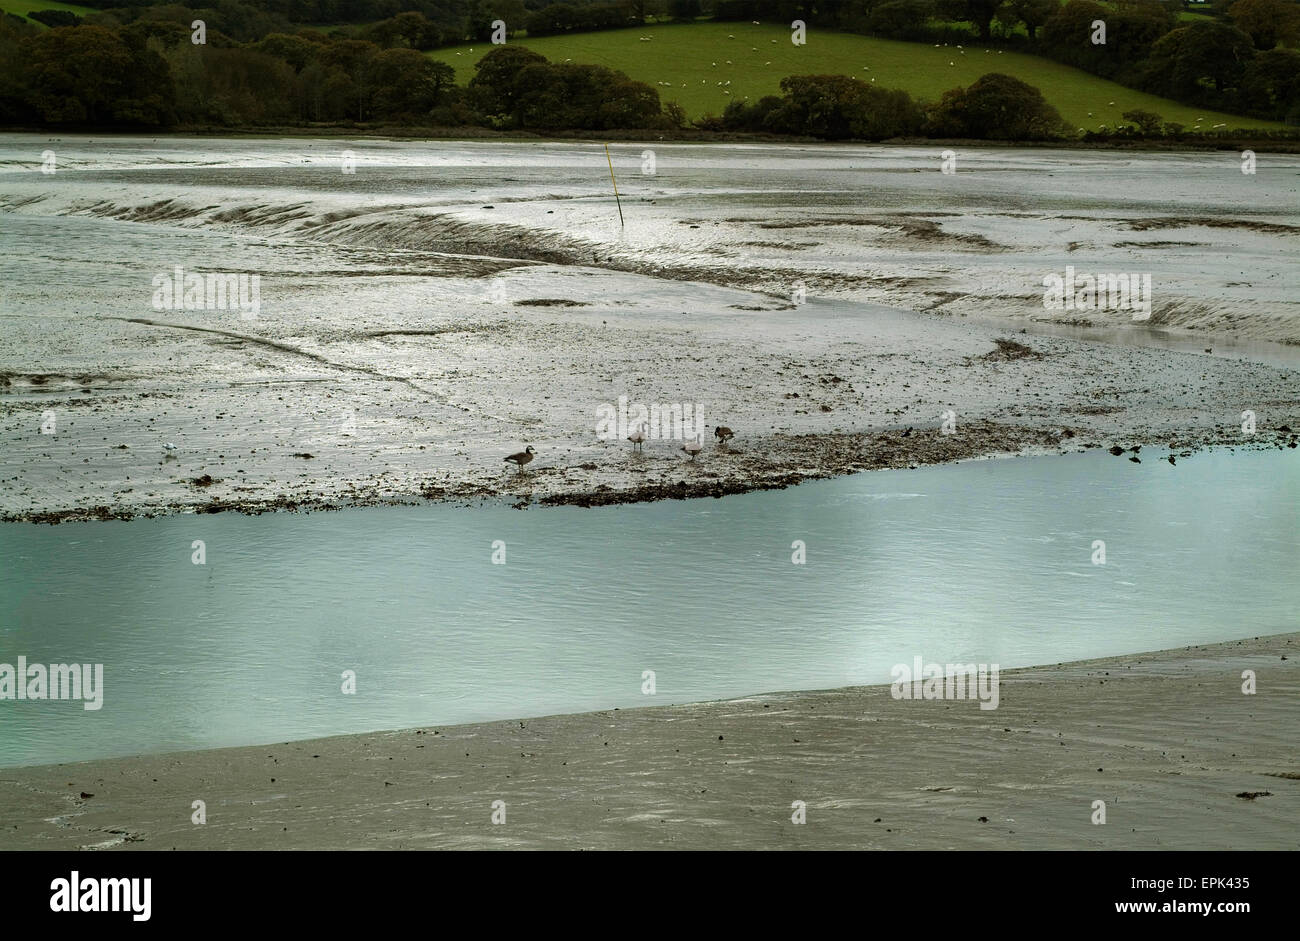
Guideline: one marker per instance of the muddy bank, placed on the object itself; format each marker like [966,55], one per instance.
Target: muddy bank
[1180,756]
[323,417]
[448,304]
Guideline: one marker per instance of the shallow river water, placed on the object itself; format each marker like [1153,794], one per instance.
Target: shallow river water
[983,561]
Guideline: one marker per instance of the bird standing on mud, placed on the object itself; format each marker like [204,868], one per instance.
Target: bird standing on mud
[693,447]
[723,434]
[522,458]
[638,437]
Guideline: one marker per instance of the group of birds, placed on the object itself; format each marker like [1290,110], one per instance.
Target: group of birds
[638,439]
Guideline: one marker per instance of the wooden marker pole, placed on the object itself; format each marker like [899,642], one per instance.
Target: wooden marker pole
[615,182]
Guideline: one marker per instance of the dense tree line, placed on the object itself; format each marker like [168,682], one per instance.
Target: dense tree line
[422,24]
[150,74]
[837,107]
[134,66]
[1241,58]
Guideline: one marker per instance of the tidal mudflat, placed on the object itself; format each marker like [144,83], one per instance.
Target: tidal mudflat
[449,303]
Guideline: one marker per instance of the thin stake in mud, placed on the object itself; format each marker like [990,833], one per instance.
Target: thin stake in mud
[615,182]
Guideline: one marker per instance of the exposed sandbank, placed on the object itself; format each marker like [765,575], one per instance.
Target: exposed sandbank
[1182,758]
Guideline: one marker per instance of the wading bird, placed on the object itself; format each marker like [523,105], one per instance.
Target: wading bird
[522,458]
[638,437]
[693,447]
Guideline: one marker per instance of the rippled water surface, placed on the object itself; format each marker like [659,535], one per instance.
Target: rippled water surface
[985,561]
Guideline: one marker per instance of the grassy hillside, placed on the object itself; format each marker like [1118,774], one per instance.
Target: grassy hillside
[693,60]
[23,7]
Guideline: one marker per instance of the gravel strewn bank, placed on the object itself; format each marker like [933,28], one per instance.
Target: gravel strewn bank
[1181,756]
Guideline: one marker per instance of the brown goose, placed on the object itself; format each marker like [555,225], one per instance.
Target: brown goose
[522,458]
[723,434]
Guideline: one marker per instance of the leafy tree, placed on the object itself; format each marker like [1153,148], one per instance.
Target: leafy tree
[837,107]
[1033,13]
[353,61]
[87,74]
[296,50]
[629,104]
[751,116]
[1192,58]
[997,107]
[979,12]
[14,104]
[407,83]
[55,17]
[901,18]
[550,95]
[1270,85]
[685,11]
[248,87]
[494,83]
[1267,22]
[1067,33]
[1147,122]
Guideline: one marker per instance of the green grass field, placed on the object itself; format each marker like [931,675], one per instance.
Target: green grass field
[23,7]
[694,58]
